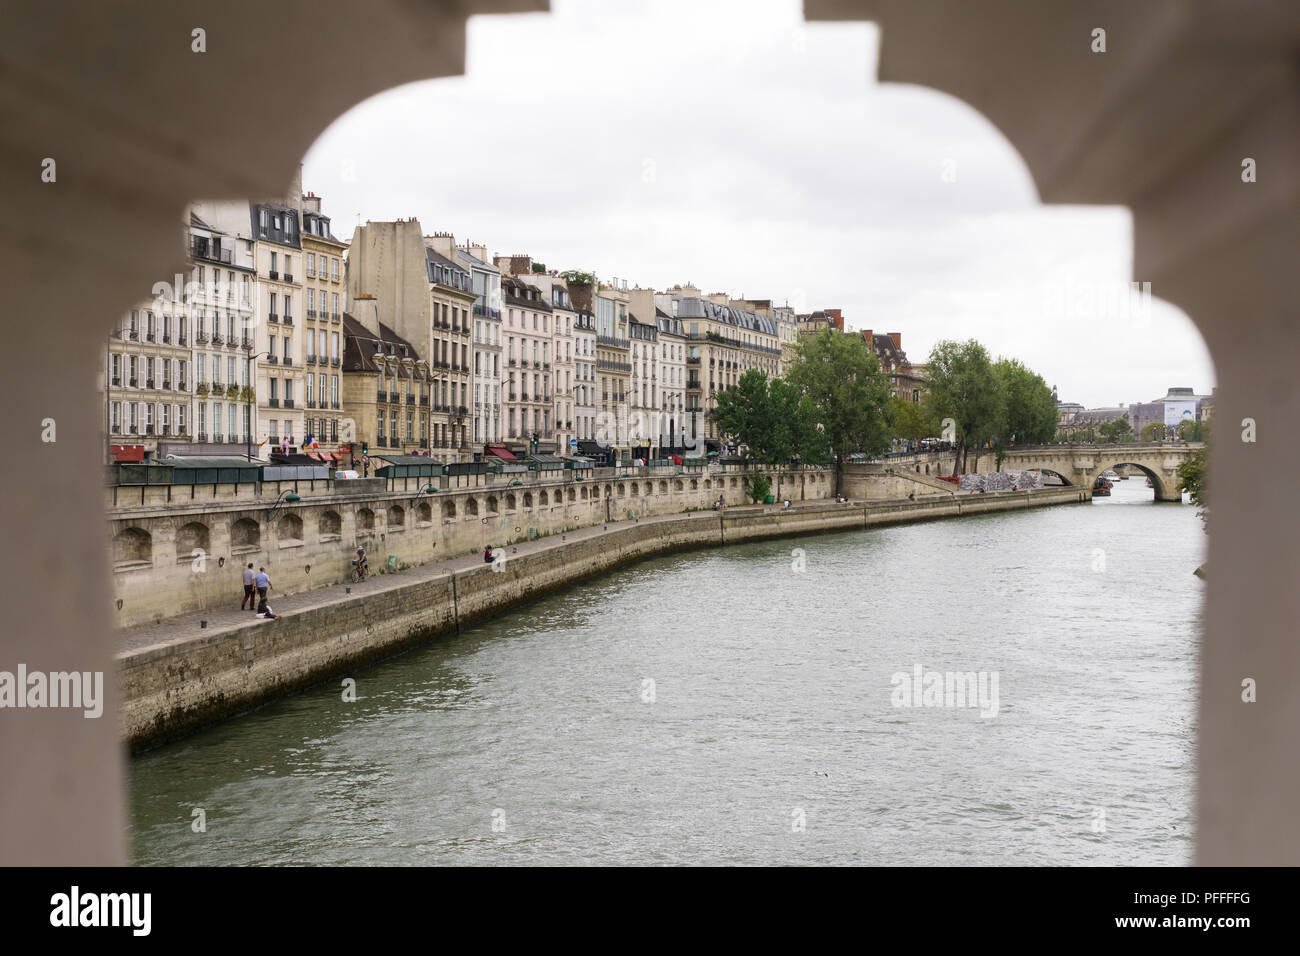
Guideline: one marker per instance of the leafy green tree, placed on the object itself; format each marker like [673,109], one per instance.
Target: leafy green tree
[1193,474]
[1117,430]
[744,413]
[758,487]
[847,391]
[1189,430]
[1155,431]
[771,419]
[965,387]
[911,421]
[1031,414]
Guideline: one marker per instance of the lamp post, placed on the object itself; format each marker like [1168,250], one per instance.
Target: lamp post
[248,377]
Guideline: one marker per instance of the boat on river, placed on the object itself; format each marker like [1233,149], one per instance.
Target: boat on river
[1101,487]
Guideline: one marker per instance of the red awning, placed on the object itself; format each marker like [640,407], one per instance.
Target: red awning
[127,453]
[314,456]
[502,452]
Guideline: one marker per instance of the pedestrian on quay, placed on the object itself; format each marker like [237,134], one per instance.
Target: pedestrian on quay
[487,554]
[250,598]
[262,582]
[264,611]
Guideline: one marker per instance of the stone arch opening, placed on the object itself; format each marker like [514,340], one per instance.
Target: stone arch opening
[289,529]
[245,536]
[423,514]
[132,547]
[365,521]
[663,487]
[571,495]
[448,508]
[528,500]
[191,536]
[511,504]
[543,499]
[396,518]
[492,504]
[471,507]
[330,525]
[1163,488]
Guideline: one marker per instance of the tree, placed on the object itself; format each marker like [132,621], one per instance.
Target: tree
[964,387]
[1192,475]
[1118,430]
[1155,431]
[578,277]
[1189,430]
[770,418]
[847,393]
[910,421]
[1031,414]
[758,487]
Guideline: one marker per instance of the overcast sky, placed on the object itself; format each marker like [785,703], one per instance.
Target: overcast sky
[731,145]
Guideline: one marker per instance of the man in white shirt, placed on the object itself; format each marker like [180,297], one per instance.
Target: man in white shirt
[250,598]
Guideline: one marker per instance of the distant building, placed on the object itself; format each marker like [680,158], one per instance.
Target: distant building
[906,379]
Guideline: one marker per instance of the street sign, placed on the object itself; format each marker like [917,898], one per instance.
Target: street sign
[573,443]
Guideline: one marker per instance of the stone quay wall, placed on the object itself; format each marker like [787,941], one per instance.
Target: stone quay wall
[181,683]
[180,549]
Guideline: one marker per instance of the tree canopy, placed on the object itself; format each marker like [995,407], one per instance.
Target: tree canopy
[847,389]
[771,419]
[965,387]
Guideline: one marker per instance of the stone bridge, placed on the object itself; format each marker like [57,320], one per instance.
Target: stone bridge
[1075,464]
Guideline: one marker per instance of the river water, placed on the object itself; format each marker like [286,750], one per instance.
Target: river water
[724,707]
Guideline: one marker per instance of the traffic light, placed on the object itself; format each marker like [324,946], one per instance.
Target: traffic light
[534,442]
[365,448]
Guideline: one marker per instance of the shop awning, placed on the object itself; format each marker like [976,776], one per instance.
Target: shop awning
[501,451]
[591,449]
[128,453]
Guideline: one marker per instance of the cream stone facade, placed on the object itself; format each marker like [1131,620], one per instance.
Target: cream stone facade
[325,296]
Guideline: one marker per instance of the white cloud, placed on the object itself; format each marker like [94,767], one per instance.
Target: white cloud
[778,167]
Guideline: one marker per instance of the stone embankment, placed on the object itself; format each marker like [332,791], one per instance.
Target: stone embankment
[182,674]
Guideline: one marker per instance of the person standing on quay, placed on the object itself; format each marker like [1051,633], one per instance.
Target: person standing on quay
[263,583]
[249,598]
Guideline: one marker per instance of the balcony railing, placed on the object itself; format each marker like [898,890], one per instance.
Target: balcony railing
[201,337]
[273,402]
[381,396]
[132,334]
[311,313]
[180,340]
[273,317]
[334,317]
[410,399]
[288,277]
[334,362]
[117,380]
[288,319]
[203,436]
[311,403]
[273,274]
[288,403]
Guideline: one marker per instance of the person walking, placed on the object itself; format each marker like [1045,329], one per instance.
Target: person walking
[250,599]
[263,583]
